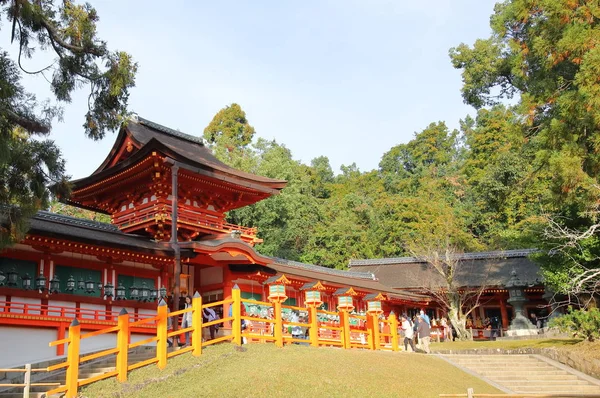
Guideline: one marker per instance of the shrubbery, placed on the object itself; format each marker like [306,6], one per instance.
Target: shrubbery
[580,323]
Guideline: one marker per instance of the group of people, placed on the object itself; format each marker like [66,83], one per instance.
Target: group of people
[419,329]
[208,315]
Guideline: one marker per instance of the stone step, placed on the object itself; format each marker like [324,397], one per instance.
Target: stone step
[557,382]
[519,367]
[557,390]
[526,374]
[568,377]
[513,373]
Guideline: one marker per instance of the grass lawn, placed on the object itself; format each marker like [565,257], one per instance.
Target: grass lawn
[293,371]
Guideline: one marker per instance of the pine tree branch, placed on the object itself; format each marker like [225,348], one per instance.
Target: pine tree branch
[30,125]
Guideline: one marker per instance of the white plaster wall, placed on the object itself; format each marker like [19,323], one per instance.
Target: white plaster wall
[138,337]
[211,275]
[2,298]
[21,345]
[85,306]
[19,310]
[142,311]
[96,343]
[66,304]
[117,310]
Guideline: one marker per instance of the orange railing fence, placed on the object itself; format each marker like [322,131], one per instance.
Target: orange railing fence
[351,331]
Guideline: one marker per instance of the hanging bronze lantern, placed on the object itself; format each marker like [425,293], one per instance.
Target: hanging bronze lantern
[12,277]
[55,284]
[109,290]
[70,284]
[26,279]
[40,283]
[120,292]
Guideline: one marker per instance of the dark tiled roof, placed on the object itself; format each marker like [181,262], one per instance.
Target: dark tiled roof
[309,285]
[189,149]
[460,256]
[485,270]
[73,221]
[325,270]
[79,230]
[357,280]
[170,131]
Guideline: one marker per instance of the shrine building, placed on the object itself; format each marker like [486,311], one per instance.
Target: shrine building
[167,197]
[484,273]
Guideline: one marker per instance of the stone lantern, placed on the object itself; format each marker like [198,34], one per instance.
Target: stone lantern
[520,325]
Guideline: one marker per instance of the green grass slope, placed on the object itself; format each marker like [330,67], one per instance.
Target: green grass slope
[293,371]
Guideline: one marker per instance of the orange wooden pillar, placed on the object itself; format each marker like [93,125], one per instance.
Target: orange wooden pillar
[227,291]
[376,336]
[236,313]
[503,312]
[394,330]
[314,326]
[122,345]
[60,334]
[345,324]
[73,359]
[161,334]
[197,324]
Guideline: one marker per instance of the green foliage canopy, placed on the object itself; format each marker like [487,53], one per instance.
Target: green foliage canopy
[28,161]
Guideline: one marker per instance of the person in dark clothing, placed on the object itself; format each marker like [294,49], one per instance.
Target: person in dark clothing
[424,332]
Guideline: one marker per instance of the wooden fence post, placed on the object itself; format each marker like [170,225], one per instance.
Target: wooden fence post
[394,330]
[197,324]
[236,323]
[278,326]
[27,380]
[345,324]
[161,333]
[73,359]
[375,331]
[122,345]
[314,326]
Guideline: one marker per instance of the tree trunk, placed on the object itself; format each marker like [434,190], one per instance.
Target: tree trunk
[458,321]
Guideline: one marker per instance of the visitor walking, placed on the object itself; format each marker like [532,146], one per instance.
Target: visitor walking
[209,315]
[409,333]
[424,332]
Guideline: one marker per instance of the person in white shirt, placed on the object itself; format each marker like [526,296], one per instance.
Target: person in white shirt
[409,333]
[186,322]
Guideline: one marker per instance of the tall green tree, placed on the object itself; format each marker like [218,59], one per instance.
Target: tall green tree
[229,134]
[29,163]
[544,55]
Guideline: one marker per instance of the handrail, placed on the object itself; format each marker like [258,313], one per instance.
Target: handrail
[198,217]
[65,312]
[341,334]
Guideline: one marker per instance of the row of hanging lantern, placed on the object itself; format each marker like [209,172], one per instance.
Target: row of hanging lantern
[312,295]
[142,293]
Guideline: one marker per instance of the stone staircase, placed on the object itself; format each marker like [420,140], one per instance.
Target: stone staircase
[527,374]
[86,370]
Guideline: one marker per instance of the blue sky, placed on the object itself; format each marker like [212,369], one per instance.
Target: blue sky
[344,79]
